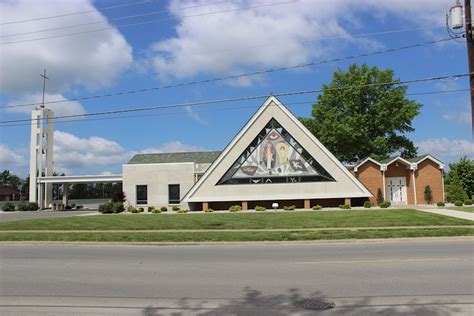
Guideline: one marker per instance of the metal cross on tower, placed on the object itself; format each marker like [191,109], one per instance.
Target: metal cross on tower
[44,85]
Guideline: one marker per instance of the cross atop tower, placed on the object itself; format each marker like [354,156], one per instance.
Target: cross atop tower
[44,85]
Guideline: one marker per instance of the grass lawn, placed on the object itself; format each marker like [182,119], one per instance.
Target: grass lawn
[288,220]
[463,208]
[231,236]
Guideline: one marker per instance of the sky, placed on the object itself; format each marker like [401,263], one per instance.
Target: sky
[132,45]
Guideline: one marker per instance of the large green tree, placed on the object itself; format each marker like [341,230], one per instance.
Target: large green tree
[464,170]
[358,116]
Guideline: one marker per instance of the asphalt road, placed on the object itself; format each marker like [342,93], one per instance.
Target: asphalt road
[414,277]
[15,216]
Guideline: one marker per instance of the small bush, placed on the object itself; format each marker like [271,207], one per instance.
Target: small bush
[317,207]
[175,208]
[22,207]
[155,210]
[111,208]
[181,211]
[132,209]
[73,205]
[150,209]
[8,207]
[33,206]
[68,207]
[428,194]
[379,196]
[345,206]
[78,207]
[208,210]
[164,209]
[235,208]
[141,210]
[440,204]
[468,202]
[385,204]
[260,208]
[458,203]
[368,204]
[289,208]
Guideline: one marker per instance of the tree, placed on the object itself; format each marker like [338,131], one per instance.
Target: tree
[464,169]
[368,121]
[428,194]
[379,196]
[454,190]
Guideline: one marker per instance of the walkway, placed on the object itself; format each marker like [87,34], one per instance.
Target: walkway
[451,213]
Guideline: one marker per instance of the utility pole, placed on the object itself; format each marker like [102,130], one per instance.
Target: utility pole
[44,85]
[470,54]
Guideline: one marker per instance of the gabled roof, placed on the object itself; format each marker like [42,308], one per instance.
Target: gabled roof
[196,157]
[416,160]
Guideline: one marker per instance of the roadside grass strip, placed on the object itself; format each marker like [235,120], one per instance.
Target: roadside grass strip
[222,236]
[462,208]
[214,221]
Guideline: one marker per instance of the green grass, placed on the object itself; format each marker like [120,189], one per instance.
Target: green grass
[288,220]
[463,208]
[231,236]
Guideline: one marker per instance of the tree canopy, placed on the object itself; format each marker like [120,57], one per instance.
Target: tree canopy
[461,176]
[358,116]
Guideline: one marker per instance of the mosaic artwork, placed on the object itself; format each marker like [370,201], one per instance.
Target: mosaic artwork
[274,156]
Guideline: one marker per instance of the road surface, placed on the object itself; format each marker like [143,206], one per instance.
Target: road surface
[415,277]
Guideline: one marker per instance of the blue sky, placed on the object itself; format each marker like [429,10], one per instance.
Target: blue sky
[183,49]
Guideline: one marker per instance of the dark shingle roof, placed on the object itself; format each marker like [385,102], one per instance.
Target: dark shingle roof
[8,191]
[196,157]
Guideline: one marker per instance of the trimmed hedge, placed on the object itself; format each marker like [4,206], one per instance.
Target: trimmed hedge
[260,208]
[440,204]
[8,207]
[111,208]
[458,203]
[235,208]
[367,204]
[385,204]
[317,207]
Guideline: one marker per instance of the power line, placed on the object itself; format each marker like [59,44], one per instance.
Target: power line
[115,19]
[208,110]
[147,22]
[211,80]
[218,101]
[80,12]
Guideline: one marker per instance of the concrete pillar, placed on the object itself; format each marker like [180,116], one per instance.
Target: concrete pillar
[307,204]
[347,201]
[414,187]
[245,205]
[205,205]
[65,192]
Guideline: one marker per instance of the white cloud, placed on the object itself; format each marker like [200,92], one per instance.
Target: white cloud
[93,60]
[10,157]
[175,146]
[72,152]
[194,115]
[64,108]
[447,150]
[274,36]
[458,117]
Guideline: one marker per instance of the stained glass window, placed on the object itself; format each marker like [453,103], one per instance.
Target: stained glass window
[274,156]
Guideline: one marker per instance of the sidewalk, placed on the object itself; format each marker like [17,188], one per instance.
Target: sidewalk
[451,213]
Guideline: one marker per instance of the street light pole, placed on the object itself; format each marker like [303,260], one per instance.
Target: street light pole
[470,54]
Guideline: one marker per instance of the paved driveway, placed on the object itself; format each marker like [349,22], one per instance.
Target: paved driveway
[14,216]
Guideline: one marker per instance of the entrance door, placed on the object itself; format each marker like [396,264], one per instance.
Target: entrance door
[397,190]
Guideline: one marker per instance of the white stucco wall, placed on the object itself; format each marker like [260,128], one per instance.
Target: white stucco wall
[157,177]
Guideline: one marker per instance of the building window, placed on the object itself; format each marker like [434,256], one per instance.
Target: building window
[142,194]
[173,194]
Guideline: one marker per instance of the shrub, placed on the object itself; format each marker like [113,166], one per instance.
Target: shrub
[385,204]
[118,196]
[111,207]
[260,208]
[440,204]
[379,196]
[33,206]
[368,204]
[73,205]
[468,202]
[181,211]
[68,207]
[175,208]
[155,210]
[208,210]
[151,208]
[345,206]
[289,208]
[141,210]
[458,203]
[132,209]
[164,209]
[428,194]
[8,207]
[22,207]
[235,208]
[78,207]
[317,207]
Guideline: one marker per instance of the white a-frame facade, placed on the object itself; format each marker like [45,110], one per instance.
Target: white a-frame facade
[274,158]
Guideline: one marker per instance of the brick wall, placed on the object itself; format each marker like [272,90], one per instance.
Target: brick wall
[370,176]
[428,173]
[402,171]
